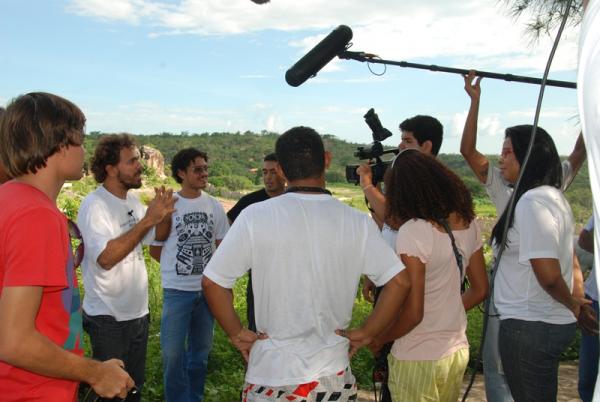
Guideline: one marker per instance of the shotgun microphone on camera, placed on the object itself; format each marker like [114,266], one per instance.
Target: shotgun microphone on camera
[309,65]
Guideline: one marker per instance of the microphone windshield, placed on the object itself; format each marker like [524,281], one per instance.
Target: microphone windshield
[319,56]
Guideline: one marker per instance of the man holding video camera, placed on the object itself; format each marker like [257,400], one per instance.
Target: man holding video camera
[419,132]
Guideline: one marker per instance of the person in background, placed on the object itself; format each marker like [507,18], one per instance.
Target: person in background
[195,229]
[307,251]
[115,224]
[274,185]
[588,351]
[533,290]
[439,242]
[499,191]
[588,94]
[423,133]
[41,350]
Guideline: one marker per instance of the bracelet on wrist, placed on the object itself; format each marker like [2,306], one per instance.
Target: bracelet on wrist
[367,187]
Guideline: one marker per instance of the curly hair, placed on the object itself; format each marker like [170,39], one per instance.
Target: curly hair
[108,153]
[419,186]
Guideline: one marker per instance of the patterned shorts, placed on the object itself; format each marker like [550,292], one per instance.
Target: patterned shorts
[339,387]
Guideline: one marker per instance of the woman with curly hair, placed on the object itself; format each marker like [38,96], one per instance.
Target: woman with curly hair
[534,279]
[439,242]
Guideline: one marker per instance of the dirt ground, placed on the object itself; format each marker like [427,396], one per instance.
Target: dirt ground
[567,386]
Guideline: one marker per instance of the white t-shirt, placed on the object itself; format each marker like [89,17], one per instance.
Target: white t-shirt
[389,235]
[588,91]
[196,225]
[499,190]
[542,228]
[307,253]
[122,291]
[443,329]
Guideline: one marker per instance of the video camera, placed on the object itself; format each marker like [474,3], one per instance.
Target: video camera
[372,151]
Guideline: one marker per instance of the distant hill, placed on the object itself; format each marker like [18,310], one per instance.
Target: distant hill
[236,158]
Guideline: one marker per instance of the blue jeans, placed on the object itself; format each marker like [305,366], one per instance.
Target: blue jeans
[530,352]
[125,340]
[588,361]
[186,334]
[496,388]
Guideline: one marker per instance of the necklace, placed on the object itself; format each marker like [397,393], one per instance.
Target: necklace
[307,189]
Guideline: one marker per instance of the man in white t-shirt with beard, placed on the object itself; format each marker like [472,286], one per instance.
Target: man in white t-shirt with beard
[114,225]
[307,251]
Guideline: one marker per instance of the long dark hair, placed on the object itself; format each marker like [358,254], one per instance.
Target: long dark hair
[419,186]
[543,168]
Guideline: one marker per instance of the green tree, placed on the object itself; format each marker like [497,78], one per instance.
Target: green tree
[545,14]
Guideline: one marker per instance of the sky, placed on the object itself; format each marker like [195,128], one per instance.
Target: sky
[152,66]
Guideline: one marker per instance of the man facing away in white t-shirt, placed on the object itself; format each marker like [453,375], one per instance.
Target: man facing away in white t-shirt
[307,251]
[195,229]
[114,224]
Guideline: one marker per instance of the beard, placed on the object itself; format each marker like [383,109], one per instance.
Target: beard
[130,182]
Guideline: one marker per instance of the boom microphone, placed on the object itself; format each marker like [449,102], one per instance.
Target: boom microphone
[319,56]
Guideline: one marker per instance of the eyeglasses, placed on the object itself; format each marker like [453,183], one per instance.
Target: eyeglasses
[200,169]
[77,245]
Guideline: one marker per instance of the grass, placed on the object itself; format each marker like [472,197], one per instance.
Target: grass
[225,365]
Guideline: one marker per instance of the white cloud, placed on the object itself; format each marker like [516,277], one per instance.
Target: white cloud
[458,123]
[488,125]
[260,106]
[151,118]
[148,118]
[274,123]
[478,33]
[130,11]
[563,113]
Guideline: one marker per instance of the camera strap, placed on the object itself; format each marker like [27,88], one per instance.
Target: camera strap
[457,254]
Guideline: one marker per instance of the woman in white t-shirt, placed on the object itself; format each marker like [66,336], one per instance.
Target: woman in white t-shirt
[534,281]
[431,351]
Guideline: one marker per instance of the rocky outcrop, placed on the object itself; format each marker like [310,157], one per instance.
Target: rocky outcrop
[154,159]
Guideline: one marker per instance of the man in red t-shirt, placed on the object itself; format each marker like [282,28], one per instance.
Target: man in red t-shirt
[40,314]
